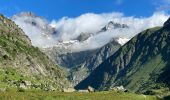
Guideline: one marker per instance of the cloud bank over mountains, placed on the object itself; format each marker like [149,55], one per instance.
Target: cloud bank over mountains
[41,32]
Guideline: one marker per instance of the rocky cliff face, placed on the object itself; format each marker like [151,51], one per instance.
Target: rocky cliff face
[140,65]
[20,61]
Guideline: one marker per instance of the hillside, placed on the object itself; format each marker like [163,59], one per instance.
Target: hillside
[93,59]
[22,65]
[140,65]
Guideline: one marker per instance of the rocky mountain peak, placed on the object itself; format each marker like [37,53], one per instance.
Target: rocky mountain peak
[83,37]
[113,25]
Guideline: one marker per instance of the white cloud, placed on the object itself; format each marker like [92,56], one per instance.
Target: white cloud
[70,28]
[40,33]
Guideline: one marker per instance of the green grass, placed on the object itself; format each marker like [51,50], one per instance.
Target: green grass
[42,95]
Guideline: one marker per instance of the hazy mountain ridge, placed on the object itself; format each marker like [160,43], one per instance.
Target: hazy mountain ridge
[140,65]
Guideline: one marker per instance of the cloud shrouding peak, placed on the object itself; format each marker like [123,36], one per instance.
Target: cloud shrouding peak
[37,29]
[70,28]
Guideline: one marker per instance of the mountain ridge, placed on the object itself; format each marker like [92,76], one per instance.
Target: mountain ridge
[138,65]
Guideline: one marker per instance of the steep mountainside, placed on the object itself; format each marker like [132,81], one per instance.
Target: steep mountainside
[80,64]
[22,65]
[95,58]
[140,65]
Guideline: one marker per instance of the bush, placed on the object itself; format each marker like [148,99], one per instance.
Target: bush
[21,90]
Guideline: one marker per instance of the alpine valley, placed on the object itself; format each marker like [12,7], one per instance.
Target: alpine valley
[102,64]
[79,63]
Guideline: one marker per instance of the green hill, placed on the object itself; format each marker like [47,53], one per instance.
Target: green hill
[140,65]
[22,65]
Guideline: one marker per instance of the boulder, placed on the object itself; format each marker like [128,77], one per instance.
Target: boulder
[69,90]
[21,85]
[120,88]
[90,89]
[83,91]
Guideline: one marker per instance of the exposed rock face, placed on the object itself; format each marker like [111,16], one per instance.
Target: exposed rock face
[113,25]
[83,37]
[141,64]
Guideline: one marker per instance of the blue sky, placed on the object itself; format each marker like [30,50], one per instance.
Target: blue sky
[56,9]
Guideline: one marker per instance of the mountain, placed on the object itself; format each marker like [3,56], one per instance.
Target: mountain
[25,66]
[92,60]
[78,61]
[113,25]
[63,54]
[82,63]
[142,64]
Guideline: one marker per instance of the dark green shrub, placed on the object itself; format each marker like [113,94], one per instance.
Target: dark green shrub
[21,90]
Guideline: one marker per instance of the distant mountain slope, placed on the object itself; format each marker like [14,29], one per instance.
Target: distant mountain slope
[81,63]
[21,62]
[91,61]
[141,64]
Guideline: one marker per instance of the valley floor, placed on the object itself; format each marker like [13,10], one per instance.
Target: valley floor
[42,95]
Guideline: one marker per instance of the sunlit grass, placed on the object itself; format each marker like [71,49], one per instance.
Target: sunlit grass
[44,95]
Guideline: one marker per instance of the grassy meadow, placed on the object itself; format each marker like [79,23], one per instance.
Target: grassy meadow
[52,95]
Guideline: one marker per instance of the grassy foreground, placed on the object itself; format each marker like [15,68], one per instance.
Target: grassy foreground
[42,95]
